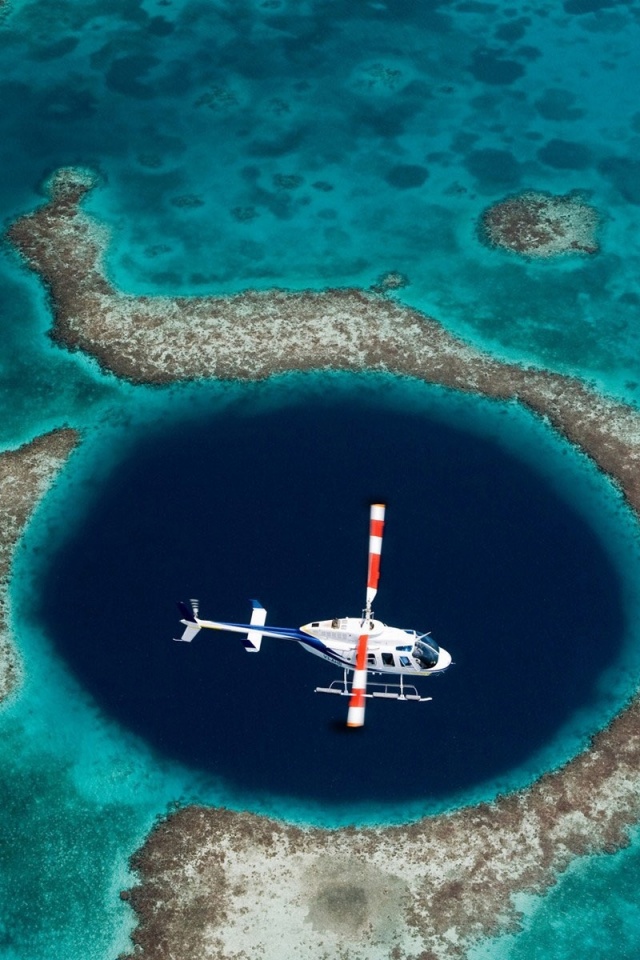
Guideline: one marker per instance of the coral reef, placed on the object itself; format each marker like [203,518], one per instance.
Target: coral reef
[25,476]
[390,281]
[224,884]
[540,225]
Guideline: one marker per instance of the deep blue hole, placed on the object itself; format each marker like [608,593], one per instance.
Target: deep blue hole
[478,548]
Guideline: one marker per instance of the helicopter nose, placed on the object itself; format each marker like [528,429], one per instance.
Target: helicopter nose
[444,659]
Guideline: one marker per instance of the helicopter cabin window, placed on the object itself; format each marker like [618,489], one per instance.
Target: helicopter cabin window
[405,662]
[387,660]
[371,659]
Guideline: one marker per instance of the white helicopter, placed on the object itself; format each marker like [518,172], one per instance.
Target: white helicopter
[360,645]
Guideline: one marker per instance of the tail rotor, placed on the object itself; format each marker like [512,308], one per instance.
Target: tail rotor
[190,620]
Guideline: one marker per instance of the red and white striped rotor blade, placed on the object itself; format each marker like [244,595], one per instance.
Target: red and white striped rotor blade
[355,716]
[376,526]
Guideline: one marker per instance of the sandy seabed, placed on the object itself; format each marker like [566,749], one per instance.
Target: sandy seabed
[221,884]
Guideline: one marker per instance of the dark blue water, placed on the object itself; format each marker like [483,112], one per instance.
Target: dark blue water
[478,548]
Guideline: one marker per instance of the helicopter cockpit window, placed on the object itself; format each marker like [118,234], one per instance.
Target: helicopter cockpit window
[405,662]
[426,653]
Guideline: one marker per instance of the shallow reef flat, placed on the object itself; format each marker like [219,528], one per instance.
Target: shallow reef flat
[25,476]
[216,883]
[257,334]
[536,224]
[248,335]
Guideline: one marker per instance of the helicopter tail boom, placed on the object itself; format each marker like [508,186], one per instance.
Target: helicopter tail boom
[252,638]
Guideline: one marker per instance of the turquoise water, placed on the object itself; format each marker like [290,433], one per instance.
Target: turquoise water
[253,144]
[302,145]
[561,924]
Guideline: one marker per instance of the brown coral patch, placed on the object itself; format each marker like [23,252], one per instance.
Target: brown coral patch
[25,475]
[541,225]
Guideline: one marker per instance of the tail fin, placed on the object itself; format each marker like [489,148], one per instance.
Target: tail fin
[192,627]
[185,612]
[253,639]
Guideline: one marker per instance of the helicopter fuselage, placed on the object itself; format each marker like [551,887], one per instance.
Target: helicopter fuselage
[390,650]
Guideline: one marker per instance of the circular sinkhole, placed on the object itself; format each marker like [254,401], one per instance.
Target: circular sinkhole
[479,548]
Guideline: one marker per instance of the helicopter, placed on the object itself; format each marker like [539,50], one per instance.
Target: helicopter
[360,645]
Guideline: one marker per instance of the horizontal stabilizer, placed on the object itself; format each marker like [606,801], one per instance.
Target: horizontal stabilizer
[253,639]
[189,633]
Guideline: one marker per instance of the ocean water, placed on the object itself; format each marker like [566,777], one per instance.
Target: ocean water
[480,548]
[314,144]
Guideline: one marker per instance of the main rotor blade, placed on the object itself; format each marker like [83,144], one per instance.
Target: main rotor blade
[355,716]
[376,526]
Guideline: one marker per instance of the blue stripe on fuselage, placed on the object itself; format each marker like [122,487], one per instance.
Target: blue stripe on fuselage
[292,633]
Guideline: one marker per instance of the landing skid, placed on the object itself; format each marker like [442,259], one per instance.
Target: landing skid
[389,691]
